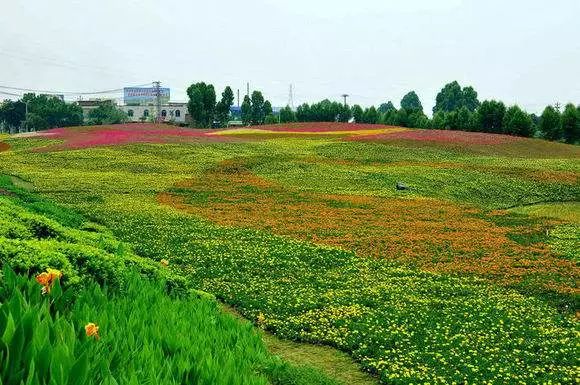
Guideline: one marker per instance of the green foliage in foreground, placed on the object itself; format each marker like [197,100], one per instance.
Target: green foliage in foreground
[146,337]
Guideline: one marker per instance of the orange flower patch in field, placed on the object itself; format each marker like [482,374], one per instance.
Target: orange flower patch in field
[4,146]
[431,234]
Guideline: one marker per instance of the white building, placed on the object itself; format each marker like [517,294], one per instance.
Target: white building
[176,112]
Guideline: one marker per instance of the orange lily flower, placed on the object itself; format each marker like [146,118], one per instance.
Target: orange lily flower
[92,330]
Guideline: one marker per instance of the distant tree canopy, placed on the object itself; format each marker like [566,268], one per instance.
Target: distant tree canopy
[386,107]
[571,123]
[44,112]
[452,98]
[222,109]
[287,115]
[202,103]
[491,115]
[106,113]
[456,108]
[551,123]
[246,110]
[411,103]
[12,114]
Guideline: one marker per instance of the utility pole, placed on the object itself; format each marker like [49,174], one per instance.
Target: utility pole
[345,96]
[238,98]
[157,86]
[248,89]
[291,98]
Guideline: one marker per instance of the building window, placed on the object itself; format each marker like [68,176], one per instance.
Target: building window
[145,113]
[177,113]
[163,113]
[130,113]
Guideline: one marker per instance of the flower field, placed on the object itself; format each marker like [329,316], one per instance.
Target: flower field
[470,276]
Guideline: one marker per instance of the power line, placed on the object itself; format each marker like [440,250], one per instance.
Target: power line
[116,90]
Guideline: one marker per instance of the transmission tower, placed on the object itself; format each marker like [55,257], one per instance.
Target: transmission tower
[157,86]
[345,96]
[291,97]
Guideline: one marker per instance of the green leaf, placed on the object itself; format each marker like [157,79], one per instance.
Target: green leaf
[9,330]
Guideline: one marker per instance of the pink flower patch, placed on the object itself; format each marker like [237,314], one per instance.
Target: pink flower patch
[120,134]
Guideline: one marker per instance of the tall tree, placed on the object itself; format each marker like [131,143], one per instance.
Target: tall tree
[246,110]
[438,121]
[371,116]
[224,105]
[287,115]
[491,114]
[411,102]
[386,107]
[452,98]
[257,107]
[517,122]
[470,100]
[303,113]
[551,124]
[571,123]
[357,113]
[12,113]
[202,103]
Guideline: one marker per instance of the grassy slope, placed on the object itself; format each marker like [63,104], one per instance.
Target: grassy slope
[320,294]
[203,345]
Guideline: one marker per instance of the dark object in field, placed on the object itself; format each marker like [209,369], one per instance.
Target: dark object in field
[401,186]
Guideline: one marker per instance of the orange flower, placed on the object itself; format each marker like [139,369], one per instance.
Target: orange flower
[47,278]
[164,262]
[92,330]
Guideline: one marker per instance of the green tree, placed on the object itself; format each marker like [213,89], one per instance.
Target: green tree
[551,124]
[452,98]
[411,102]
[517,122]
[463,119]
[202,103]
[357,113]
[470,100]
[106,113]
[370,116]
[12,114]
[224,105]
[303,113]
[267,107]
[490,115]
[271,119]
[438,121]
[287,115]
[451,121]
[571,123]
[402,118]
[386,107]
[50,111]
[258,114]
[246,110]
[344,113]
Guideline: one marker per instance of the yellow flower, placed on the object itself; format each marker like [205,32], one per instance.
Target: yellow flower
[261,319]
[164,262]
[92,330]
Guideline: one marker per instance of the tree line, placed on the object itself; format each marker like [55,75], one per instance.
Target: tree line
[41,112]
[206,111]
[456,108]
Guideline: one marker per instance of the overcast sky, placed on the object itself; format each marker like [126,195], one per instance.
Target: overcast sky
[520,51]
